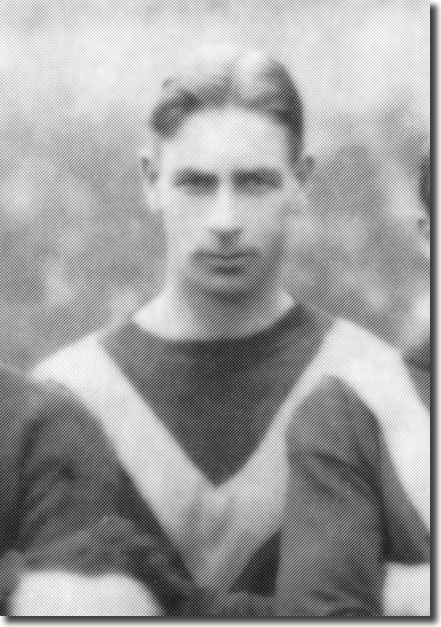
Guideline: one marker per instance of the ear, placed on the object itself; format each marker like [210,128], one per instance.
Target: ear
[304,169]
[149,177]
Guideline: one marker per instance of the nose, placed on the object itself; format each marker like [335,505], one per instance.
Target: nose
[223,215]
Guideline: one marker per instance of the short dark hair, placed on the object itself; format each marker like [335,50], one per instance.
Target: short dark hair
[218,77]
[424,181]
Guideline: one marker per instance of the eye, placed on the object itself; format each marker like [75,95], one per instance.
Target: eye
[257,182]
[195,182]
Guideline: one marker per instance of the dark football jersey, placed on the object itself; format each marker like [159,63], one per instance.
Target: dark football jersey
[199,428]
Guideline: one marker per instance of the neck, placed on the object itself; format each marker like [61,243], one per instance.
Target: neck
[191,314]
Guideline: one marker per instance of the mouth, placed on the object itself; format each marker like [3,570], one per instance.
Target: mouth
[226,262]
[228,258]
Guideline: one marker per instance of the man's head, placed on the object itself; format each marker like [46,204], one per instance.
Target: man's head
[424,189]
[227,168]
[416,329]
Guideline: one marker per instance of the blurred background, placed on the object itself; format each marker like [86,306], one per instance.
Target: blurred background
[78,248]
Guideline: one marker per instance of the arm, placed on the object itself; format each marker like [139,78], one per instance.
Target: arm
[331,549]
[347,514]
[71,547]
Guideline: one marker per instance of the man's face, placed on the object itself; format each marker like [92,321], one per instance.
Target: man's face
[226,186]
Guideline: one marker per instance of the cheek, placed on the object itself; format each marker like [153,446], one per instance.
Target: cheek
[180,233]
[184,209]
[183,229]
[271,218]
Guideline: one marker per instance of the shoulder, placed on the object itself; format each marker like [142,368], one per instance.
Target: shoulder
[352,338]
[360,345]
[369,366]
[79,367]
[373,369]
[51,422]
[69,377]
[45,432]
[66,357]
[350,352]
[13,386]
[332,420]
[85,357]
[24,401]
[20,402]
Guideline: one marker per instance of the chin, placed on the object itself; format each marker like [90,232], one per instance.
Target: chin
[228,291]
[228,287]
[238,285]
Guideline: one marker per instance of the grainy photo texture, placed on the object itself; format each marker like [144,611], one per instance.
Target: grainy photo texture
[215,308]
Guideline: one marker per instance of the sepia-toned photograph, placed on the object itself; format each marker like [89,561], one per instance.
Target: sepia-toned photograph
[215,308]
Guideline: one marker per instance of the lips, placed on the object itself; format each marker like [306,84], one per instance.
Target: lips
[228,258]
[236,257]
[225,261]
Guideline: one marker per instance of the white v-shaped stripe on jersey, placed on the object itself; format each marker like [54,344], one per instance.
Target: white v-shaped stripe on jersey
[217,529]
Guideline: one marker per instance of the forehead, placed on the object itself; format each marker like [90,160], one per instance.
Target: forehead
[227,139]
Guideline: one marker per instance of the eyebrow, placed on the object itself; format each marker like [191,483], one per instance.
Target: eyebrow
[189,175]
[269,176]
[240,177]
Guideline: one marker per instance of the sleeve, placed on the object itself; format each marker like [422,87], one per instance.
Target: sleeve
[332,538]
[68,475]
[70,516]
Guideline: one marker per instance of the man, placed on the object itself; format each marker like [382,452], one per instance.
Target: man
[195,390]
[417,359]
[417,344]
[58,480]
